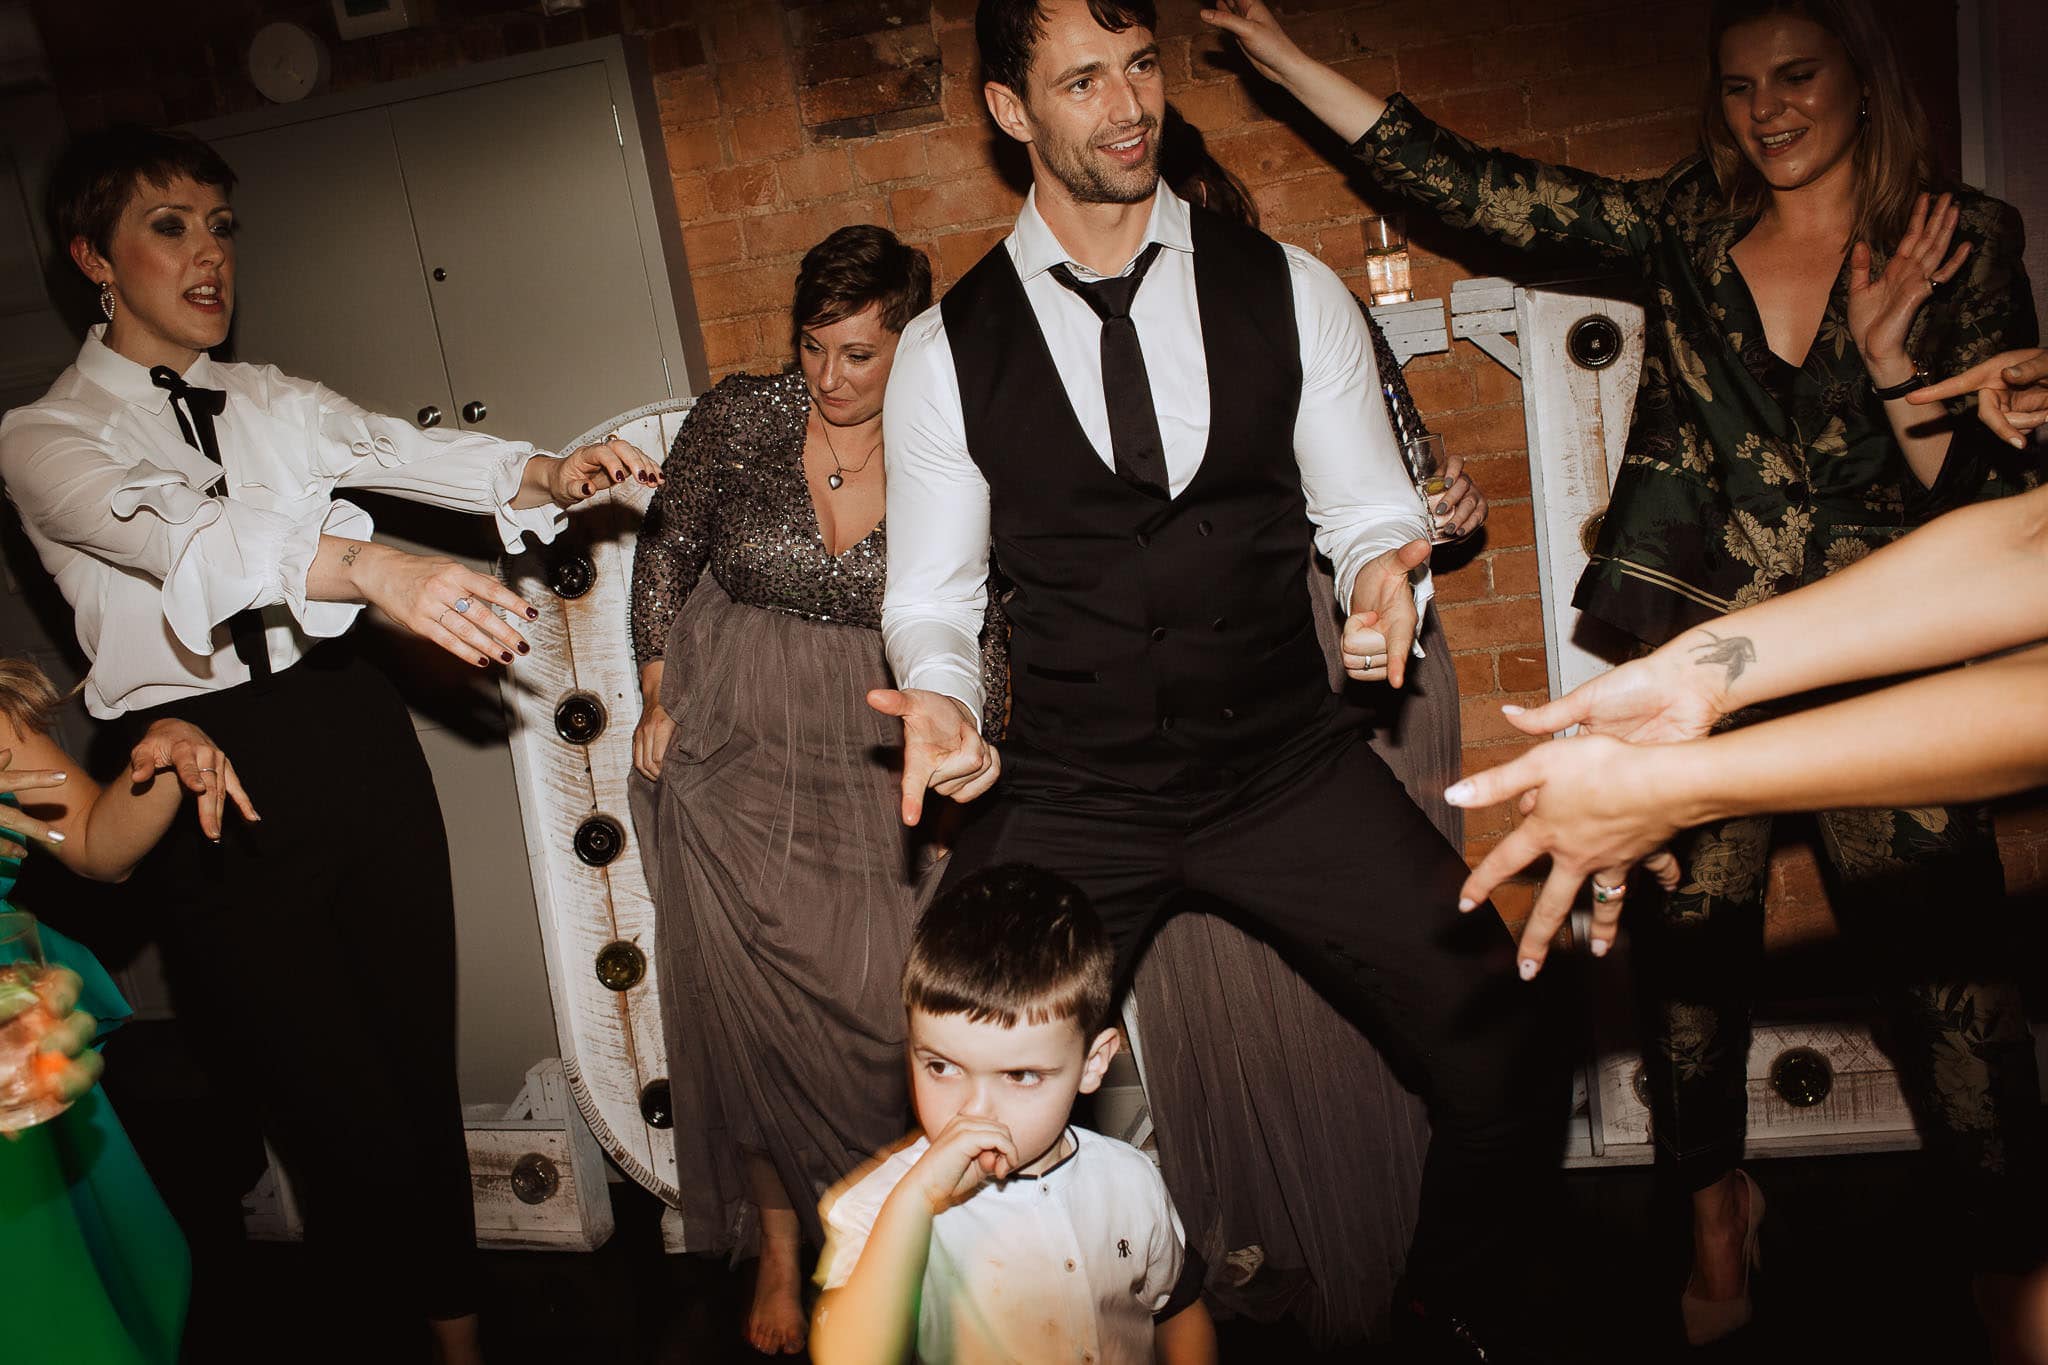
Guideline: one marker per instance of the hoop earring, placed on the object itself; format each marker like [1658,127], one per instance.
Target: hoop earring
[107,298]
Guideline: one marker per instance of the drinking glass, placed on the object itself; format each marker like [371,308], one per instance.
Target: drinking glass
[26,1097]
[1425,456]
[1386,261]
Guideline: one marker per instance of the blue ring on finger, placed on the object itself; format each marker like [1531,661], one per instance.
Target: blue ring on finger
[460,605]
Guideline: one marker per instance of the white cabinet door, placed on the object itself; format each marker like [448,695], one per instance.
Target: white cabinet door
[521,201]
[329,283]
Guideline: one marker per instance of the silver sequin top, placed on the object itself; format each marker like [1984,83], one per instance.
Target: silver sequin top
[734,498]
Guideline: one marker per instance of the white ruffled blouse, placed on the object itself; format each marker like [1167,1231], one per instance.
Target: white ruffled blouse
[114,502]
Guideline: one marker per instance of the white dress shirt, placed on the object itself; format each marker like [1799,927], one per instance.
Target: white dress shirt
[1068,1266]
[1356,484]
[114,502]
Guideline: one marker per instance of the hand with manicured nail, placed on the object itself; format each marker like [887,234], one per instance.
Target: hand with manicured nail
[1594,807]
[2011,389]
[593,468]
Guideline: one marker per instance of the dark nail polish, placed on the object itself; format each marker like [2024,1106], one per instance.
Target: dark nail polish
[482,662]
[586,490]
[617,477]
[533,613]
[1442,508]
[505,655]
[525,648]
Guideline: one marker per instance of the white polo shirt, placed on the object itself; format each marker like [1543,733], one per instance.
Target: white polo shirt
[1067,1266]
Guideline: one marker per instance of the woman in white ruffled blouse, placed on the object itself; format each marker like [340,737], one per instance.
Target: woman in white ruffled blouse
[187,509]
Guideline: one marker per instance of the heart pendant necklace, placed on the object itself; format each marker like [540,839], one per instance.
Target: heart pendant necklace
[837,478]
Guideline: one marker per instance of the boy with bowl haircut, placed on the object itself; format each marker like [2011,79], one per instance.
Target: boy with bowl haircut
[999,1232]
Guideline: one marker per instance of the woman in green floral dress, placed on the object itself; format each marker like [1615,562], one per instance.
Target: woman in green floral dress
[1796,280]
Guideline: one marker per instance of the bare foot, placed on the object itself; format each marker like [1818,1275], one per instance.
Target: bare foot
[776,1323]
[1720,1225]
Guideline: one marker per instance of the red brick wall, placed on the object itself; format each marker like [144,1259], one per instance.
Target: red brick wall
[783,121]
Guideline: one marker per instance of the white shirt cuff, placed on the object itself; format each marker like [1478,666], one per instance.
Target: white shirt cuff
[545,521]
[320,620]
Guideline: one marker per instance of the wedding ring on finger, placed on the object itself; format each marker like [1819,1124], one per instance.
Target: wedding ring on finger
[1607,895]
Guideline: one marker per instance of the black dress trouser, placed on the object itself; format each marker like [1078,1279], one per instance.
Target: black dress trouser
[313,960]
[1326,856]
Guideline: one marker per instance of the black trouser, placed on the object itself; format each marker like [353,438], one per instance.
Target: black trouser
[314,960]
[1328,858]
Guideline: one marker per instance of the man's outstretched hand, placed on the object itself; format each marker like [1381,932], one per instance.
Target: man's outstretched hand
[1380,632]
[942,748]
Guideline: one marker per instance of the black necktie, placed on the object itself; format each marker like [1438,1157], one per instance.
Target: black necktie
[195,408]
[1133,424]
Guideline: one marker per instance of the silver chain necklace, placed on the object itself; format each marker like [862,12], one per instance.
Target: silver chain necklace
[839,472]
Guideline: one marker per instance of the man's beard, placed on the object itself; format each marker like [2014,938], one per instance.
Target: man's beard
[1089,180]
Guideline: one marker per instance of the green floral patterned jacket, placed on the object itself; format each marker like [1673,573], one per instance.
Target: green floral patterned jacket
[1726,496]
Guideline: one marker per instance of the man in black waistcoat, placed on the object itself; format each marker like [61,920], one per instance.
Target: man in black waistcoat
[1142,409]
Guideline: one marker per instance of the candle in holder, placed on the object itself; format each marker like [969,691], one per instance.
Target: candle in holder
[1386,261]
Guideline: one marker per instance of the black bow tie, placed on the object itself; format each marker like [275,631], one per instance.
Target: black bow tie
[245,627]
[203,404]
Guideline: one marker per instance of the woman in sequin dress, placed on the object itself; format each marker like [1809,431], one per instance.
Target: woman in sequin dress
[785,884]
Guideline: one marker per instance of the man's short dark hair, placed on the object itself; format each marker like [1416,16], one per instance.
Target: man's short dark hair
[96,176]
[1008,943]
[857,266]
[1007,31]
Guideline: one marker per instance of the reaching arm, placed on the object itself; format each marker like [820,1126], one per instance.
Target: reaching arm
[1514,200]
[1593,803]
[103,832]
[1986,565]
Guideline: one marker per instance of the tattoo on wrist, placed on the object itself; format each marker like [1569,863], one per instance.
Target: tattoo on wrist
[348,556]
[1735,653]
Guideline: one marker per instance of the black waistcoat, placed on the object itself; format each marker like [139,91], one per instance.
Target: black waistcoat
[1147,634]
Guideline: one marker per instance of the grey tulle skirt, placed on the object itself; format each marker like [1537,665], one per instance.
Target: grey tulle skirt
[786,889]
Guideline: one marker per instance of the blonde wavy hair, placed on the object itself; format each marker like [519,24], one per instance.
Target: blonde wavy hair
[27,696]
[1892,160]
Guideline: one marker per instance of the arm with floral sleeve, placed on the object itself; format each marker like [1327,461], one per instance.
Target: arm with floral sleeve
[1513,199]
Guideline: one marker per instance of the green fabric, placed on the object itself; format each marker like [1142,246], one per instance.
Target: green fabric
[92,1267]
[1725,496]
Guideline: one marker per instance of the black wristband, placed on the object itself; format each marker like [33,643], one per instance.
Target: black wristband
[1916,380]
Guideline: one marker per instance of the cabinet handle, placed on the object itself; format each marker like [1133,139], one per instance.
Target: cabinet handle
[430,416]
[474,411]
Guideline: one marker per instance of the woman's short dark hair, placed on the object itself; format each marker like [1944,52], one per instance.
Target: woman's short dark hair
[1007,30]
[1009,943]
[855,267]
[97,174]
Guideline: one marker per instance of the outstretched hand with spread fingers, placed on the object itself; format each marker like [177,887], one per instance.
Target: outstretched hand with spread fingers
[1593,806]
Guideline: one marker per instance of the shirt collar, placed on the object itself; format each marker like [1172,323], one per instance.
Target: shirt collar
[130,382]
[1036,250]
